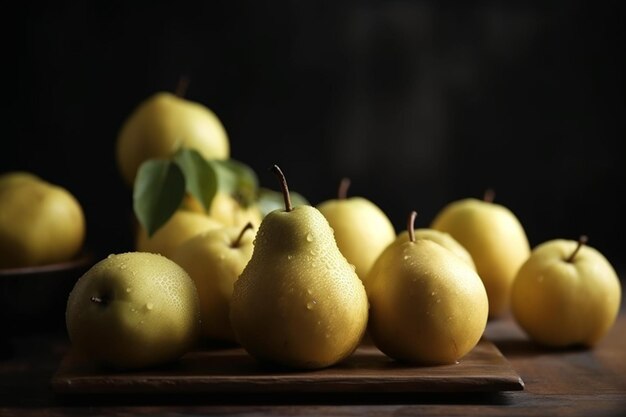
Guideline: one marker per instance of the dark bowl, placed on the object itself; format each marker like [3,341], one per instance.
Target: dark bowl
[33,299]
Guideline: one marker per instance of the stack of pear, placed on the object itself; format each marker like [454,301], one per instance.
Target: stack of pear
[427,304]
[298,302]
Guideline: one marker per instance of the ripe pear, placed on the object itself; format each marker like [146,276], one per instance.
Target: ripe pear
[362,230]
[495,239]
[214,260]
[565,294]
[40,222]
[298,302]
[133,310]
[181,226]
[163,123]
[427,305]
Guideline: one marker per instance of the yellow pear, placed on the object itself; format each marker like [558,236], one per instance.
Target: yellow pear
[298,302]
[180,227]
[214,260]
[163,123]
[427,305]
[362,230]
[40,222]
[495,239]
[133,310]
[566,293]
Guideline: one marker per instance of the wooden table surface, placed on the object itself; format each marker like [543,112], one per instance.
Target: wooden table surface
[557,383]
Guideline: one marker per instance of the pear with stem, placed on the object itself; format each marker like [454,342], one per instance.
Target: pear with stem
[427,305]
[298,302]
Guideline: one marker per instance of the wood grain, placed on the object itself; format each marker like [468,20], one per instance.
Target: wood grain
[484,369]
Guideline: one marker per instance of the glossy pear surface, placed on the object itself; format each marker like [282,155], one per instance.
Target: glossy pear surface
[298,302]
[562,303]
[444,239]
[133,310]
[427,306]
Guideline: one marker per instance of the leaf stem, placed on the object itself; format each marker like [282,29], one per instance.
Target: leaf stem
[283,184]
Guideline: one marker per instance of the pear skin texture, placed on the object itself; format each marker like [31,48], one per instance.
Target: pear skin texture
[362,230]
[181,226]
[495,239]
[561,304]
[160,125]
[215,264]
[226,210]
[40,223]
[427,306]
[298,302]
[151,315]
[444,239]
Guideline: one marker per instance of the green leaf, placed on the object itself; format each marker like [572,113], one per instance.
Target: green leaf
[200,175]
[270,200]
[237,179]
[158,191]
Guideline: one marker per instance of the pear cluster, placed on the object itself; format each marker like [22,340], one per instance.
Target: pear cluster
[300,286]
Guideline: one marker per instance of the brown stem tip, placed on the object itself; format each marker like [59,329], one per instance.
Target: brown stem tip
[283,184]
[342,193]
[582,240]
[181,87]
[411,226]
[489,195]
[237,241]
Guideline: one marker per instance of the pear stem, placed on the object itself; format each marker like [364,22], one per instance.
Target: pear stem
[283,184]
[342,194]
[411,225]
[489,195]
[181,87]
[581,241]
[237,241]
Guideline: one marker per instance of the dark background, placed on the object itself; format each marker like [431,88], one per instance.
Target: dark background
[419,102]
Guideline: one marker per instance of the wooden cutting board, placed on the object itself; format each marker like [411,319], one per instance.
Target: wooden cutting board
[233,370]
